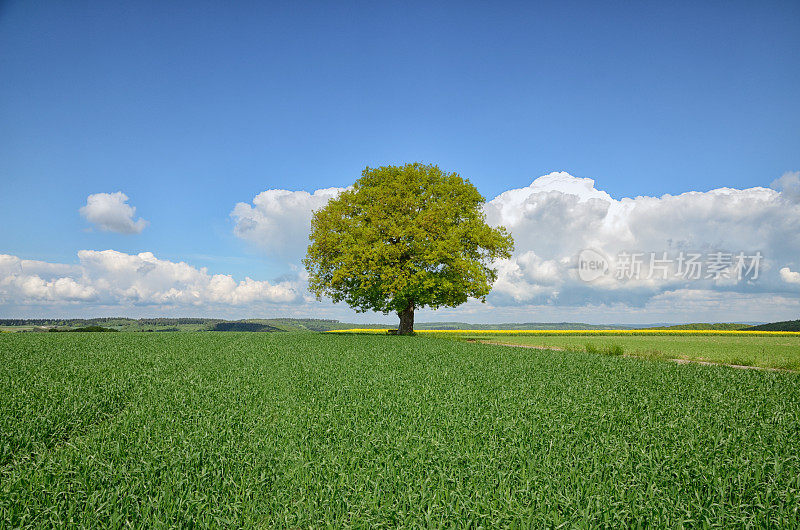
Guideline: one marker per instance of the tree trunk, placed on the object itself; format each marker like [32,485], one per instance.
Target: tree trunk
[406,320]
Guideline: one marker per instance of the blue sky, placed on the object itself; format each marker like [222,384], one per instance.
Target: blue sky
[190,108]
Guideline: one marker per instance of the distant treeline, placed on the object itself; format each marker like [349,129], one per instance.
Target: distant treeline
[787,325]
[140,321]
[46,321]
[721,327]
[100,329]
[176,321]
[172,324]
[321,324]
[243,326]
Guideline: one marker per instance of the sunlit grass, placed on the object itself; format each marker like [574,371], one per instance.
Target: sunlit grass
[326,430]
[762,349]
[780,351]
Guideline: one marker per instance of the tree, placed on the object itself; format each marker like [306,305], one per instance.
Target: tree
[403,238]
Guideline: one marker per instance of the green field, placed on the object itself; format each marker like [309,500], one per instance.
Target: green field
[300,430]
[776,351]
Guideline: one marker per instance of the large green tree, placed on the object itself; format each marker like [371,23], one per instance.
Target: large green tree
[403,238]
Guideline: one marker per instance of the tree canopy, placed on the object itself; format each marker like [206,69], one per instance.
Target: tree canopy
[404,237]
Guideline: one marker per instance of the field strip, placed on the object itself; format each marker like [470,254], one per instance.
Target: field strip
[562,332]
[530,346]
[634,356]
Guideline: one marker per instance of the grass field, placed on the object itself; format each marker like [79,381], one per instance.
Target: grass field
[761,349]
[765,351]
[302,430]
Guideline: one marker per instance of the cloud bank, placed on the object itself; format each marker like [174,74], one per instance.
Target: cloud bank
[109,277]
[554,221]
[559,215]
[110,212]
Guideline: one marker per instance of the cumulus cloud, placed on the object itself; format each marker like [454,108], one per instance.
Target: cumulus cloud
[788,185]
[559,215]
[279,221]
[552,220]
[790,276]
[109,277]
[111,212]
[681,305]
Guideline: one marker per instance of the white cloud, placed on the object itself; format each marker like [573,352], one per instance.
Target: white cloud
[109,277]
[678,306]
[790,276]
[788,185]
[20,280]
[279,221]
[111,212]
[552,220]
[559,215]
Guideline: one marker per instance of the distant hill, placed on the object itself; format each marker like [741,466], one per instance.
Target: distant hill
[93,329]
[177,324]
[309,324]
[242,326]
[515,326]
[318,325]
[788,325]
[265,324]
[731,326]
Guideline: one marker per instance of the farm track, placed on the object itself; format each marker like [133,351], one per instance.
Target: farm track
[737,366]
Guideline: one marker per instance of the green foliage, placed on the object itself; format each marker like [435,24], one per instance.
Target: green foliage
[92,329]
[404,235]
[615,349]
[789,325]
[611,349]
[243,326]
[718,326]
[300,430]
[96,329]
